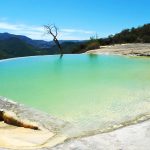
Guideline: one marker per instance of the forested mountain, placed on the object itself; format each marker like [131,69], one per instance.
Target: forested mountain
[14,47]
[133,35]
[35,43]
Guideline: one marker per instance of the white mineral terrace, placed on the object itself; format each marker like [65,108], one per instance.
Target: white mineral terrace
[136,49]
[130,137]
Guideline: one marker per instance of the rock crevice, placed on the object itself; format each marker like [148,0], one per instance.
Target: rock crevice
[11,119]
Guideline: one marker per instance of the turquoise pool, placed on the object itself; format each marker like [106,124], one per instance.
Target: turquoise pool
[89,91]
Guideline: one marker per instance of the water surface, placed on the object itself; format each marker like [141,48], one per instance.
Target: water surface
[89,91]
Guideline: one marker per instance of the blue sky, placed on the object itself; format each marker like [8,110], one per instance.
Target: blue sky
[76,19]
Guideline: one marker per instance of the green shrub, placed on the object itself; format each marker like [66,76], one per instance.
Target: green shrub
[92,45]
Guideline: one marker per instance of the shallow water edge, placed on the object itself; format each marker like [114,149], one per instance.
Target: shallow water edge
[59,127]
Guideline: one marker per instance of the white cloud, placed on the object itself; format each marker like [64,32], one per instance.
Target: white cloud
[37,32]
[4,26]
[79,31]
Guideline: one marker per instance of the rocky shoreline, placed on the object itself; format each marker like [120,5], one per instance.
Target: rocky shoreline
[134,137]
[136,49]
[50,136]
[46,134]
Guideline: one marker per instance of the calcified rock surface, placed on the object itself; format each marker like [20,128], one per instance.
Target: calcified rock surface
[49,135]
[135,137]
[14,134]
[136,49]
[42,119]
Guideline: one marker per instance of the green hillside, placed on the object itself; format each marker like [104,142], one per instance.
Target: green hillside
[134,35]
[14,47]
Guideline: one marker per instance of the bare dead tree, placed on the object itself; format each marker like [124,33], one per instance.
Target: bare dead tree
[53,31]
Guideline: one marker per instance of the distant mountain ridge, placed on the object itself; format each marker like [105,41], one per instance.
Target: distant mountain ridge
[14,47]
[35,43]
[18,46]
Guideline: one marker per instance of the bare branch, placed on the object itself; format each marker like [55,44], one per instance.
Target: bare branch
[53,31]
[56,30]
